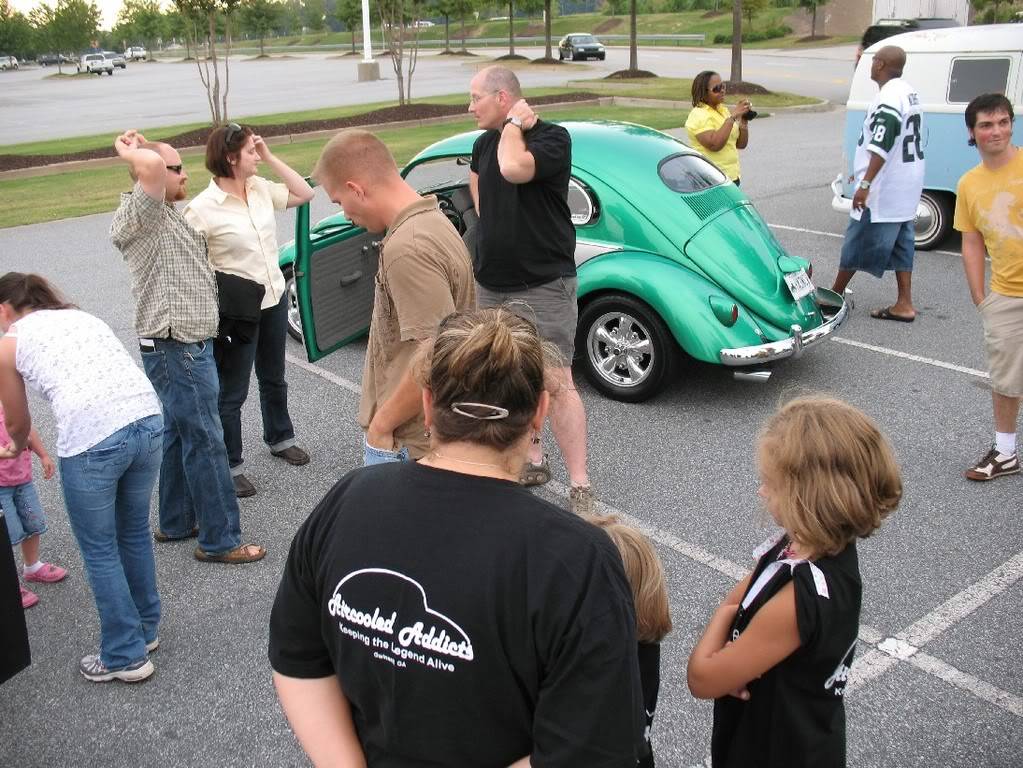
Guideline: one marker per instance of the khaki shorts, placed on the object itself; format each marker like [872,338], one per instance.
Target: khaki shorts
[1003,337]
[551,307]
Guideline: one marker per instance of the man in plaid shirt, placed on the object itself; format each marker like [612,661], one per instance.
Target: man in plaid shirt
[176,318]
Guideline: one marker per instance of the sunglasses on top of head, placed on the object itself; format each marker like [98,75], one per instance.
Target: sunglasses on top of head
[231,130]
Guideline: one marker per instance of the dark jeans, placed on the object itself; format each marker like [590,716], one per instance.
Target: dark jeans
[235,362]
[195,479]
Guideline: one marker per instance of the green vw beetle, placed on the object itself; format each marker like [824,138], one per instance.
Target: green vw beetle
[671,257]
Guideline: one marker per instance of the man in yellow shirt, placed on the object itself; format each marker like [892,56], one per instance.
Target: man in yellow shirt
[989,213]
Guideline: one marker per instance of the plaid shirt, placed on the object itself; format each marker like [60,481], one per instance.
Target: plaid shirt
[172,280]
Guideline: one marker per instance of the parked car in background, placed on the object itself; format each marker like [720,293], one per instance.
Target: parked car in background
[95,63]
[52,59]
[7,62]
[948,68]
[672,259]
[116,59]
[580,45]
[136,53]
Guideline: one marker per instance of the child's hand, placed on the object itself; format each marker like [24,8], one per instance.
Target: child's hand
[9,452]
[48,467]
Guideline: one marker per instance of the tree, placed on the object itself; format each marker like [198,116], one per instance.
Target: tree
[402,39]
[41,19]
[445,8]
[751,8]
[511,29]
[259,17]
[142,21]
[462,9]
[349,13]
[736,76]
[314,15]
[812,5]
[988,11]
[70,26]
[213,12]
[633,39]
[16,35]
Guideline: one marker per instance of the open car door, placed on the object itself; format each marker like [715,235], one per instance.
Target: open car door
[335,277]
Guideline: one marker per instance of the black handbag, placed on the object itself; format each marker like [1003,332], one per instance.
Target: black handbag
[240,307]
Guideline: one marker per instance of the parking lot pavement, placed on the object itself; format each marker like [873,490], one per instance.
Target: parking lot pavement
[938,677]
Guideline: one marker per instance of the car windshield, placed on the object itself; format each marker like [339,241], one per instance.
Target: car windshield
[439,174]
[689,173]
[584,39]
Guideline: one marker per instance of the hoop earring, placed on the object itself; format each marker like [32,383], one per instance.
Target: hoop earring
[535,440]
[427,433]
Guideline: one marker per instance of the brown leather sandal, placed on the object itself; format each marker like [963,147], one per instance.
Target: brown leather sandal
[163,538]
[243,553]
[535,474]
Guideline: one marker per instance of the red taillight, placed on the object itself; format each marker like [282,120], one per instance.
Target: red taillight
[809,270]
[735,313]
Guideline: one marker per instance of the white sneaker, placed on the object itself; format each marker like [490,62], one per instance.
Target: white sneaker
[994,464]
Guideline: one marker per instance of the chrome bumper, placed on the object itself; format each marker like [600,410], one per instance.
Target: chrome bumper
[839,202]
[797,342]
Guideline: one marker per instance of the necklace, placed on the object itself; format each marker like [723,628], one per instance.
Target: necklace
[440,455]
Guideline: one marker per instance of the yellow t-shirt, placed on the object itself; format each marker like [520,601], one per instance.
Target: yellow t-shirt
[991,202]
[706,118]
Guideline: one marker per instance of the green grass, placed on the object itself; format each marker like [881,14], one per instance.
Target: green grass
[79,193]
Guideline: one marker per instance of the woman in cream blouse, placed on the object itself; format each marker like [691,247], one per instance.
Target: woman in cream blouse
[236,212]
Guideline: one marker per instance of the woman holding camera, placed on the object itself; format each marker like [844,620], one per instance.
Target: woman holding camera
[713,130]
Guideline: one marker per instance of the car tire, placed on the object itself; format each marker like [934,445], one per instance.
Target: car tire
[574,57]
[294,318]
[933,220]
[653,355]
[601,57]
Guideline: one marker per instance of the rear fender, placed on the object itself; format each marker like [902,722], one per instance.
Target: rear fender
[680,296]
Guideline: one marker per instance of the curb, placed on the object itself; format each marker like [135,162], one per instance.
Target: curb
[293,138]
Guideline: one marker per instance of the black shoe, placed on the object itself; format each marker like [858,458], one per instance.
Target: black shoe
[294,455]
[242,487]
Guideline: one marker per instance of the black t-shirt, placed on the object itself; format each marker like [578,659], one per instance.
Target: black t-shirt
[468,622]
[525,236]
[650,674]
[795,715]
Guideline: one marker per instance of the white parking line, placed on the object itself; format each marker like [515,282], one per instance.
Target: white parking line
[837,234]
[1010,702]
[913,358]
[333,378]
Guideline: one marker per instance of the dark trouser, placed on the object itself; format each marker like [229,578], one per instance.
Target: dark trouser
[195,479]
[13,634]
[235,362]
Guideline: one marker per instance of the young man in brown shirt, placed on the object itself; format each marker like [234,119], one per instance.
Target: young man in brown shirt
[424,275]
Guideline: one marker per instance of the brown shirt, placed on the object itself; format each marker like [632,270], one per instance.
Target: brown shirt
[424,275]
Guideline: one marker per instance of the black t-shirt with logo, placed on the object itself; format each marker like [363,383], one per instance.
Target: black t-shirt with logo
[468,622]
[525,236]
[795,716]
[650,674]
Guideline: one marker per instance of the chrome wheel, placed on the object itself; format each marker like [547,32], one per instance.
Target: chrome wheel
[619,349]
[294,316]
[933,219]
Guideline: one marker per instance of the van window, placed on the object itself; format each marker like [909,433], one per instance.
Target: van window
[972,77]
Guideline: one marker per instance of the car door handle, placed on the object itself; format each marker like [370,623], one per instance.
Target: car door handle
[347,280]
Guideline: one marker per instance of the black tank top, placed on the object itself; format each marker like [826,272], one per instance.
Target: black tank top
[795,714]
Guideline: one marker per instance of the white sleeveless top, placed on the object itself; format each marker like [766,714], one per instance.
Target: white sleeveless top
[91,382]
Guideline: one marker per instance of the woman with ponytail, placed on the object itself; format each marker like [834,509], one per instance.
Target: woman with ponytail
[109,438]
[437,612]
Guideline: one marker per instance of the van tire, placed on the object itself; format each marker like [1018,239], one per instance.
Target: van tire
[938,208]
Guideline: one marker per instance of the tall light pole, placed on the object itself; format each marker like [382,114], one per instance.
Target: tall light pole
[369,69]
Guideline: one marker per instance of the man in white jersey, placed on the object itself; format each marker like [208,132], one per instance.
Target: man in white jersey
[889,173]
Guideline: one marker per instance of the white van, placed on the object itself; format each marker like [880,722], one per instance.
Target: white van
[948,68]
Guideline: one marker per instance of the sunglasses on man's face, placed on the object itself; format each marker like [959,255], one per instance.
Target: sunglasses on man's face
[718,88]
[175,168]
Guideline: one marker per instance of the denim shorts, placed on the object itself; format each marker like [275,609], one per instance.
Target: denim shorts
[373,455]
[877,247]
[22,510]
[551,307]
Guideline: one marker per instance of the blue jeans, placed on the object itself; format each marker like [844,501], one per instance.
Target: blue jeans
[106,491]
[371,455]
[195,479]
[24,511]
[235,362]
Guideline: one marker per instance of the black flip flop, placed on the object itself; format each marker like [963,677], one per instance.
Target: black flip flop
[887,314]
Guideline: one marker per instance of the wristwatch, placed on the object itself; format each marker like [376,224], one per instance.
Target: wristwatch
[864,184]
[514,121]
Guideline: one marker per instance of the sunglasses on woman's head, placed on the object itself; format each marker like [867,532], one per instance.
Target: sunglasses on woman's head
[230,131]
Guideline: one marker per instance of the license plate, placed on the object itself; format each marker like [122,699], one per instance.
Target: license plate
[799,284]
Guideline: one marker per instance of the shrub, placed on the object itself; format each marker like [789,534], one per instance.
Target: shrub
[751,36]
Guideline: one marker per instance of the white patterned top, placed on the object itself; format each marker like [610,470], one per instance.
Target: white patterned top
[91,382]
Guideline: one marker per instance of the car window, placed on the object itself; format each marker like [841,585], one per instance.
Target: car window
[439,174]
[582,203]
[584,39]
[972,77]
[689,173]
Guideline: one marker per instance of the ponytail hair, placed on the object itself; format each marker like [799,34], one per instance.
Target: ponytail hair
[485,369]
[27,292]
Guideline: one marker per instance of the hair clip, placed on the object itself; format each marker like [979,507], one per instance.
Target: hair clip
[497,411]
